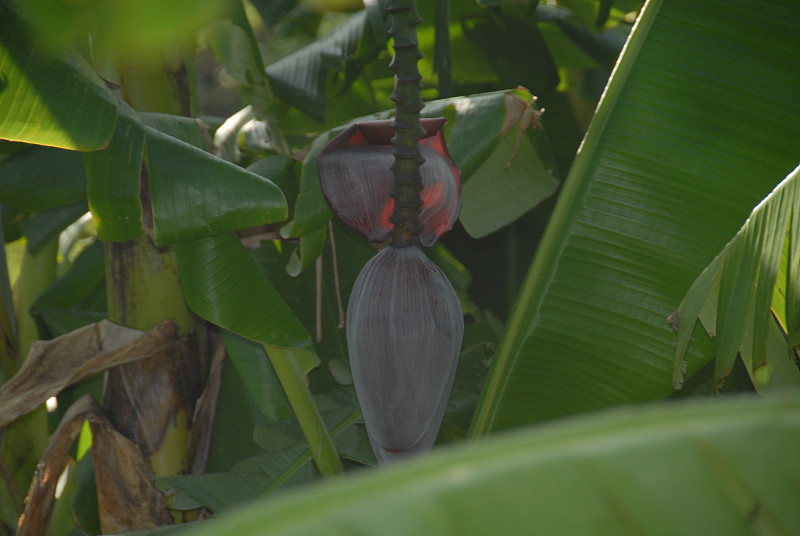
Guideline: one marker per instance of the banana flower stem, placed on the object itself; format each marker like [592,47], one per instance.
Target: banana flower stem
[407,127]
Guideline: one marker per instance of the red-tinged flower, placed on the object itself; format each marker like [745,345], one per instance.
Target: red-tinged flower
[356,177]
[404,333]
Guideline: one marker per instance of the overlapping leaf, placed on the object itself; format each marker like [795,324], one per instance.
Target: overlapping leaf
[741,283]
[518,177]
[710,461]
[300,78]
[665,176]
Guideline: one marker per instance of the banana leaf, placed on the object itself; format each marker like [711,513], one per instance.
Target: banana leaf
[72,108]
[692,132]
[705,467]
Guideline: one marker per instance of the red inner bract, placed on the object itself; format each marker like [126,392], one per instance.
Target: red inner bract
[354,171]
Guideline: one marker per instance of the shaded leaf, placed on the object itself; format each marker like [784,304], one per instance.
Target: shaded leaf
[259,378]
[287,464]
[42,178]
[712,461]
[78,297]
[664,177]
[43,228]
[300,78]
[506,186]
[218,276]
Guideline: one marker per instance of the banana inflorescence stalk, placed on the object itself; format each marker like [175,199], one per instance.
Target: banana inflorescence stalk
[404,320]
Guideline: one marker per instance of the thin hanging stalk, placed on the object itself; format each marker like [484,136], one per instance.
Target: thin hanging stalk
[407,126]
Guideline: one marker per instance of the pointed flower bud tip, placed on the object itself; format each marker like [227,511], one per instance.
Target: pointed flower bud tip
[404,333]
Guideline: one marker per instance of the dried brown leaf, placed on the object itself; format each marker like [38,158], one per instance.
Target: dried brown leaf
[127,499]
[204,412]
[33,521]
[53,365]
[126,495]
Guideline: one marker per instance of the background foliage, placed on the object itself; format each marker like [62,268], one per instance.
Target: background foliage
[581,231]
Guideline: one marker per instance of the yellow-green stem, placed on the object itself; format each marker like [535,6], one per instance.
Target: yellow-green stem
[305,410]
[23,442]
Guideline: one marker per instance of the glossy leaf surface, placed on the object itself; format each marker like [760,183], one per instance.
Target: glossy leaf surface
[218,276]
[195,193]
[113,183]
[665,176]
[356,177]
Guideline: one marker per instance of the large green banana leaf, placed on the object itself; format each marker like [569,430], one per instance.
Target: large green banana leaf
[706,467]
[696,126]
[47,99]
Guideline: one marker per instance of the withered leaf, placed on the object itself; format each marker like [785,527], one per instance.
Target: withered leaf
[53,365]
[127,497]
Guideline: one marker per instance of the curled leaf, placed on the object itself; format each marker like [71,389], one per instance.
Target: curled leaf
[404,332]
[356,177]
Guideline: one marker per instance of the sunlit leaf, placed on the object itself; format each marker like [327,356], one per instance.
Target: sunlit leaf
[747,271]
[46,99]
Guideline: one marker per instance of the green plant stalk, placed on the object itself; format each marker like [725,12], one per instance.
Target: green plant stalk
[24,441]
[407,126]
[9,352]
[295,386]
[143,289]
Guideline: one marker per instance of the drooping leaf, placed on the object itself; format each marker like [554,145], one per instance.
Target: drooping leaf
[55,364]
[747,272]
[218,276]
[726,467]
[113,183]
[665,176]
[46,99]
[300,77]
[195,194]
